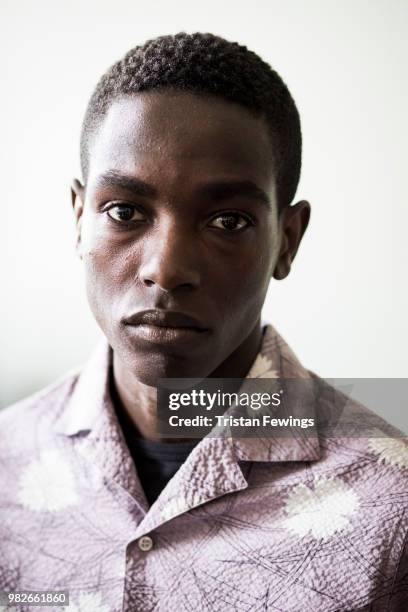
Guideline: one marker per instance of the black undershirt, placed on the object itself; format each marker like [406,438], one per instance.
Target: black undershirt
[156,462]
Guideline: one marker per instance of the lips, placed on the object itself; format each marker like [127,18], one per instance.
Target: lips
[165,330]
[165,318]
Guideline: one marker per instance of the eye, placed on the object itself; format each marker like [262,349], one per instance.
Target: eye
[124,213]
[230,221]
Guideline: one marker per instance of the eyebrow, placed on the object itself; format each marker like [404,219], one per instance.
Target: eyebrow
[228,189]
[216,191]
[112,178]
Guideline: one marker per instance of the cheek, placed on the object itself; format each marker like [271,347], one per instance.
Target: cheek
[104,259]
[103,272]
[98,286]
[245,280]
[255,262]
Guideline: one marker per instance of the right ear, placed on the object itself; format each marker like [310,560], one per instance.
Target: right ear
[77,198]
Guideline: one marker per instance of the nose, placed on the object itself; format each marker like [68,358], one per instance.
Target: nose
[169,259]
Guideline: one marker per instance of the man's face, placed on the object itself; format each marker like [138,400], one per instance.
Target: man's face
[179,214]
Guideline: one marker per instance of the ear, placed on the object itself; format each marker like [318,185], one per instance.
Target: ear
[293,222]
[77,199]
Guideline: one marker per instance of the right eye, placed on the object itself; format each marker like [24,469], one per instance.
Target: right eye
[125,213]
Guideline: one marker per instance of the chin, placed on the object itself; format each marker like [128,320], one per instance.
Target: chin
[150,369]
[150,361]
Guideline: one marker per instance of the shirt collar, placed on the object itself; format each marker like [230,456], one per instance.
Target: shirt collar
[91,400]
[90,397]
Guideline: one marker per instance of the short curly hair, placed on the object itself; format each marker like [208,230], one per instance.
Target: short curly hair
[206,64]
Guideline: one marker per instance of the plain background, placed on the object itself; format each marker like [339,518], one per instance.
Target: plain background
[343,308]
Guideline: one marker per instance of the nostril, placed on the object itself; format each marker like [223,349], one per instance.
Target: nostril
[168,277]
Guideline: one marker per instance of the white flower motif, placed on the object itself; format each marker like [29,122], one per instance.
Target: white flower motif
[390,450]
[322,510]
[48,484]
[88,602]
[262,368]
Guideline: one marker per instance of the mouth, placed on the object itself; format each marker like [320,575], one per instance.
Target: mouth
[165,326]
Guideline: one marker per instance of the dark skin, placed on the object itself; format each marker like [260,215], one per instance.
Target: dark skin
[179,213]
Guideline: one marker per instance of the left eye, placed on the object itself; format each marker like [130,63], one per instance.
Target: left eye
[230,222]
[125,212]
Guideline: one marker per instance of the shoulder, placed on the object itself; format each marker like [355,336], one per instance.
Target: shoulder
[354,436]
[34,415]
[363,458]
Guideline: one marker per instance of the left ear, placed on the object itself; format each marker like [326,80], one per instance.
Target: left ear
[77,201]
[293,221]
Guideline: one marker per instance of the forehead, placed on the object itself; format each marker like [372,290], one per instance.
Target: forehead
[187,133]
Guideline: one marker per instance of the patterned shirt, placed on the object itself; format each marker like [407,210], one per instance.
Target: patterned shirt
[304,524]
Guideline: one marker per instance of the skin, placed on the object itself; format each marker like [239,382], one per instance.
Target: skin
[188,244]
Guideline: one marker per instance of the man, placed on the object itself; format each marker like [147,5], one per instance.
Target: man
[191,154]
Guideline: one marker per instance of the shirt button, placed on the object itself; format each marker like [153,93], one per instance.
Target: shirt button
[145,543]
